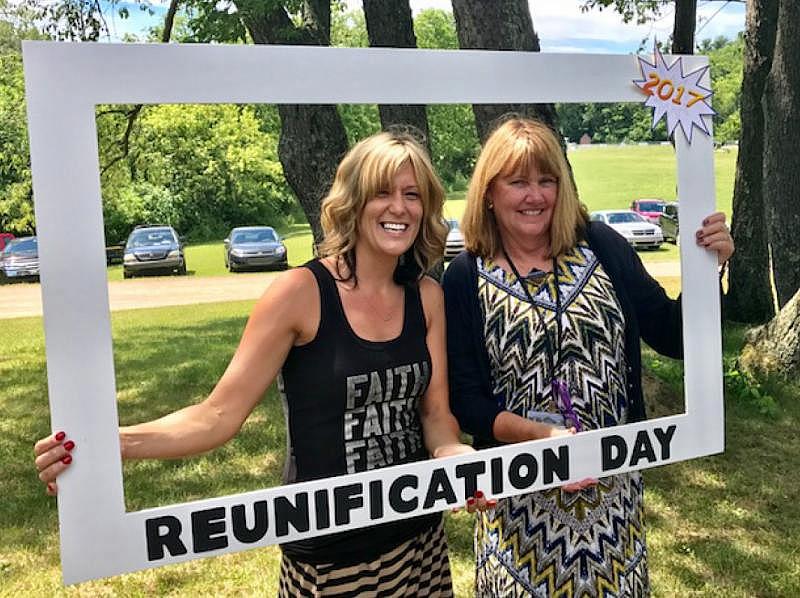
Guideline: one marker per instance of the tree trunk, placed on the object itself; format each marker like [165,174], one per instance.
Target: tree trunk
[781,103]
[313,138]
[749,297]
[390,25]
[499,25]
[775,347]
[684,26]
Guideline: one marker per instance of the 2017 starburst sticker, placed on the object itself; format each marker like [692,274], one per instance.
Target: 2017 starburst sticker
[682,99]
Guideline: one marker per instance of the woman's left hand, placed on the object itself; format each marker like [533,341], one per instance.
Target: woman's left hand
[715,236]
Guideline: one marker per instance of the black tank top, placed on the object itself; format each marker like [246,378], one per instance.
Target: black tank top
[352,405]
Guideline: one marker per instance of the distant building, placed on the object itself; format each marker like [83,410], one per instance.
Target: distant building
[586,139]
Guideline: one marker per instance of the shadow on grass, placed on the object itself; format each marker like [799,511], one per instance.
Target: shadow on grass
[160,367]
[167,367]
[732,520]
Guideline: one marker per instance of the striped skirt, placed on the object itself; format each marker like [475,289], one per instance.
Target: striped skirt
[418,567]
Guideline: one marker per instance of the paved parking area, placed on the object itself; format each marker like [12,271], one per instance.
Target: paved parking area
[24,299]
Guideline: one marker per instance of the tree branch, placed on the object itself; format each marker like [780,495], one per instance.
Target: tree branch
[133,114]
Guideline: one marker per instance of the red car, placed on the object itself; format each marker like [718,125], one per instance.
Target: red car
[649,209]
[4,239]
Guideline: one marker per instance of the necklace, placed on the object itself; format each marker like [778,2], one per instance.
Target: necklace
[558,386]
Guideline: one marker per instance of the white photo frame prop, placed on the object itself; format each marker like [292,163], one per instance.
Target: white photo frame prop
[64,83]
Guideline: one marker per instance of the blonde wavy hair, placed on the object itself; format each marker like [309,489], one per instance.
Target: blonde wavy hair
[369,167]
[514,146]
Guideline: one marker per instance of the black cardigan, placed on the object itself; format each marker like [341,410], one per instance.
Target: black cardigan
[649,315]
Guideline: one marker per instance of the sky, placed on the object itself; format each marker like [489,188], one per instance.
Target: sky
[560,24]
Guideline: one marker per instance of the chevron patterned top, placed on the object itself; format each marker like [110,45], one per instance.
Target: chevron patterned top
[557,543]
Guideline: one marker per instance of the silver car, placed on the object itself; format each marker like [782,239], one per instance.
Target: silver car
[20,259]
[636,230]
[153,249]
[255,247]
[455,240]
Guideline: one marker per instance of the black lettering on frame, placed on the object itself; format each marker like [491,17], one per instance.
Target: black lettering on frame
[163,532]
[642,449]
[375,499]
[470,473]
[239,522]
[396,500]
[208,530]
[296,514]
[664,438]
[614,451]
[321,506]
[497,475]
[526,462]
[439,488]
[555,464]
[345,499]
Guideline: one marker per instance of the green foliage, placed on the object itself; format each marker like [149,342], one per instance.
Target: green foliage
[631,123]
[436,29]
[725,525]
[727,61]
[609,123]
[746,387]
[70,20]
[16,207]
[454,140]
[203,169]
[348,28]
[641,10]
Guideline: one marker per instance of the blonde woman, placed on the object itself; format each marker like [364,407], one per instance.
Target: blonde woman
[361,315]
[550,310]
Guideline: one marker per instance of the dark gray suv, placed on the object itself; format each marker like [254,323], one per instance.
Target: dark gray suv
[153,249]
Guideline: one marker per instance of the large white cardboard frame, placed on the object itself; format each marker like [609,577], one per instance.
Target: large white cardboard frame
[65,82]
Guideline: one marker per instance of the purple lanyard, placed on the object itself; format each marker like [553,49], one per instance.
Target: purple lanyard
[558,386]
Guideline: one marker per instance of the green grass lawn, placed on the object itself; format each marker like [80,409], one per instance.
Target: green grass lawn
[724,525]
[608,177]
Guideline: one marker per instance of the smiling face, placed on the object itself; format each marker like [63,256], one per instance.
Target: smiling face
[390,220]
[524,202]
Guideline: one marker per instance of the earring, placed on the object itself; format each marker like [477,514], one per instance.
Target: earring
[490,204]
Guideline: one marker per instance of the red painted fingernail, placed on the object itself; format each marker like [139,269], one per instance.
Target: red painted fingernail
[491,502]
[478,494]
[67,460]
[69,445]
[470,501]
[50,487]
[60,436]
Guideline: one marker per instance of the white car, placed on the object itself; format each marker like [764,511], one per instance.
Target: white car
[636,230]
[455,240]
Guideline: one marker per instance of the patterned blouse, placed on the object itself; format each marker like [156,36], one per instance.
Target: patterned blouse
[557,543]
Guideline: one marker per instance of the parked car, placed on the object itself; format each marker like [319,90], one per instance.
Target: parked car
[5,238]
[636,230]
[669,222]
[255,247]
[20,259]
[649,209]
[455,240]
[152,249]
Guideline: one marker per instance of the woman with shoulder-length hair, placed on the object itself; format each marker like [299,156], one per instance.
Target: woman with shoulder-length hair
[357,340]
[550,309]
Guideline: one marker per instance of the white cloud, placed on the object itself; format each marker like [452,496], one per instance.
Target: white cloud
[562,27]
